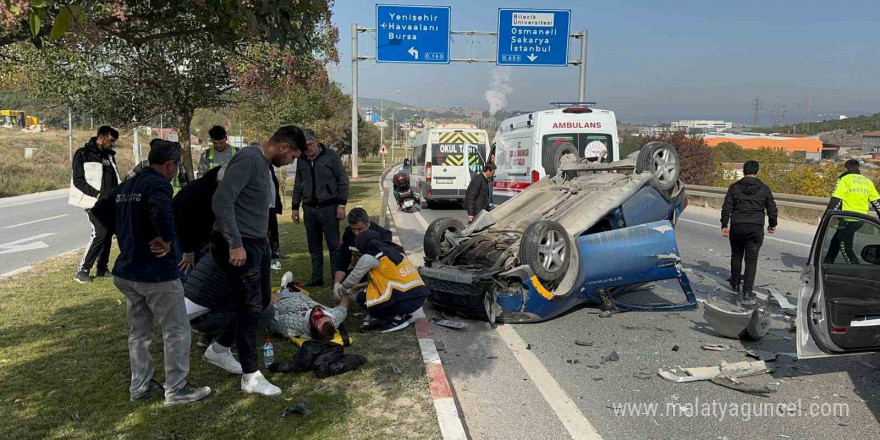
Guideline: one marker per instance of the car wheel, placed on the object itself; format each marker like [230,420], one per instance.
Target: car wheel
[435,242]
[553,156]
[660,159]
[545,248]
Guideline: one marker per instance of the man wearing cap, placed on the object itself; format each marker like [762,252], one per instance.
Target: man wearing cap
[853,193]
[746,203]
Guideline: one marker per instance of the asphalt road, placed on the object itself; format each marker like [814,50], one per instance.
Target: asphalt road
[501,396]
[38,226]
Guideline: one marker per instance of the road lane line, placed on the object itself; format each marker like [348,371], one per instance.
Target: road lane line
[421,220]
[32,201]
[36,221]
[23,240]
[766,237]
[571,417]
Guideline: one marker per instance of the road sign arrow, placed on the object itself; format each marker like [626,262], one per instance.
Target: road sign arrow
[532,57]
[412,51]
[17,246]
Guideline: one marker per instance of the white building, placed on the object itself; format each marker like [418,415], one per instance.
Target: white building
[703,126]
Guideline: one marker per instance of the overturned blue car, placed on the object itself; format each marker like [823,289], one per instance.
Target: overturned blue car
[589,234]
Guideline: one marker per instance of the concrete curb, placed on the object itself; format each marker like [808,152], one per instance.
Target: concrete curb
[448,415]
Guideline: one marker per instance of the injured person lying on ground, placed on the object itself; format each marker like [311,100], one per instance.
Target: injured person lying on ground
[589,234]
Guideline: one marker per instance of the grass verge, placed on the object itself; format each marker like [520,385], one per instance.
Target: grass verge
[64,369]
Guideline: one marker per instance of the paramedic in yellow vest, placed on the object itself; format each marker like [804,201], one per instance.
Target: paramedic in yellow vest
[395,289]
[853,193]
[220,153]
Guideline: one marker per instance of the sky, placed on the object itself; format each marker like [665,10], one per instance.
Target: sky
[651,60]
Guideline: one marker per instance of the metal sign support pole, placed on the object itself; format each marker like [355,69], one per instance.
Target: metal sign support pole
[582,82]
[354,100]
[70,134]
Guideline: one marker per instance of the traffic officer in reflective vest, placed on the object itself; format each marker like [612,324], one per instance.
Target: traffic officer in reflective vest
[853,193]
[395,290]
[219,154]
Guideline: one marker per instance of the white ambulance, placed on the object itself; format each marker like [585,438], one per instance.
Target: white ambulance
[443,160]
[530,146]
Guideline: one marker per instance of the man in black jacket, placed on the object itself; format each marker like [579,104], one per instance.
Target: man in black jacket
[476,199]
[744,208]
[321,186]
[358,222]
[274,212]
[94,177]
[194,217]
[146,273]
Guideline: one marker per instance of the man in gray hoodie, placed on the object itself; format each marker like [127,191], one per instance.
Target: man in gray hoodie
[238,243]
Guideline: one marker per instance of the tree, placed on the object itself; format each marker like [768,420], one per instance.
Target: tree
[169,57]
[697,163]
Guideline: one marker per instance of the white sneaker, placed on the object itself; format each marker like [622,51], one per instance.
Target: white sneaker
[225,360]
[258,384]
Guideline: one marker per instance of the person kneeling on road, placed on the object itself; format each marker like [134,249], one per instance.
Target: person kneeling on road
[395,289]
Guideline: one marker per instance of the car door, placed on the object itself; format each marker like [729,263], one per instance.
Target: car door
[839,301]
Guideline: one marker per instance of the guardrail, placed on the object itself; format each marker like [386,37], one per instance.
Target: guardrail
[789,200]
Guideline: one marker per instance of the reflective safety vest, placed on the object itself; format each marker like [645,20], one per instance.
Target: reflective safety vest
[857,192]
[210,155]
[175,181]
[391,282]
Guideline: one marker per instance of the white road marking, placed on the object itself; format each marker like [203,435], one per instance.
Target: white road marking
[32,201]
[36,221]
[574,421]
[421,220]
[808,246]
[17,246]
[571,417]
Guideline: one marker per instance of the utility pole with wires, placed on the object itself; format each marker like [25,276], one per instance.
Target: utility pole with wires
[778,115]
[757,106]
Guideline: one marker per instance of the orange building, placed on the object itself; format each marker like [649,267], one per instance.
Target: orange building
[809,146]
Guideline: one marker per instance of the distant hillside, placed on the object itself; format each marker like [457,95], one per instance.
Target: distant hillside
[858,124]
[375,102]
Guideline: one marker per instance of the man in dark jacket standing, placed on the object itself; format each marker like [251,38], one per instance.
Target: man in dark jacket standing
[321,187]
[476,199]
[238,243]
[746,203]
[94,177]
[146,273]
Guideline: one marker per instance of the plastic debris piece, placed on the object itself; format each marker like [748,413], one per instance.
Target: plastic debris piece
[583,343]
[716,347]
[300,410]
[734,384]
[450,323]
[734,370]
[611,357]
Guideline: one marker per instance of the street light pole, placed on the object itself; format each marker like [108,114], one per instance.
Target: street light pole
[354,100]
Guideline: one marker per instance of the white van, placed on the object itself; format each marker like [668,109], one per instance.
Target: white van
[444,158]
[530,146]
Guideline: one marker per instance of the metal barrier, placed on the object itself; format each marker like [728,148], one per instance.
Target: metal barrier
[789,200]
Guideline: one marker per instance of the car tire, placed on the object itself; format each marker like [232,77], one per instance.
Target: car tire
[546,249]
[435,236]
[660,159]
[553,156]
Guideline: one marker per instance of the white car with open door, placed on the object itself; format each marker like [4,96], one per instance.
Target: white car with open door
[839,302]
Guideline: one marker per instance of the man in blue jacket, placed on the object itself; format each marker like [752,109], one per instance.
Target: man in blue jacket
[146,273]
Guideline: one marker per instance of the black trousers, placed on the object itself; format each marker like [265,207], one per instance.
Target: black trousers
[250,289]
[843,238]
[745,242]
[272,232]
[221,324]
[98,247]
[321,224]
[387,313]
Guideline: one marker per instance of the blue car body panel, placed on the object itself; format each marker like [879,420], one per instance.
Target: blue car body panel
[649,253]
